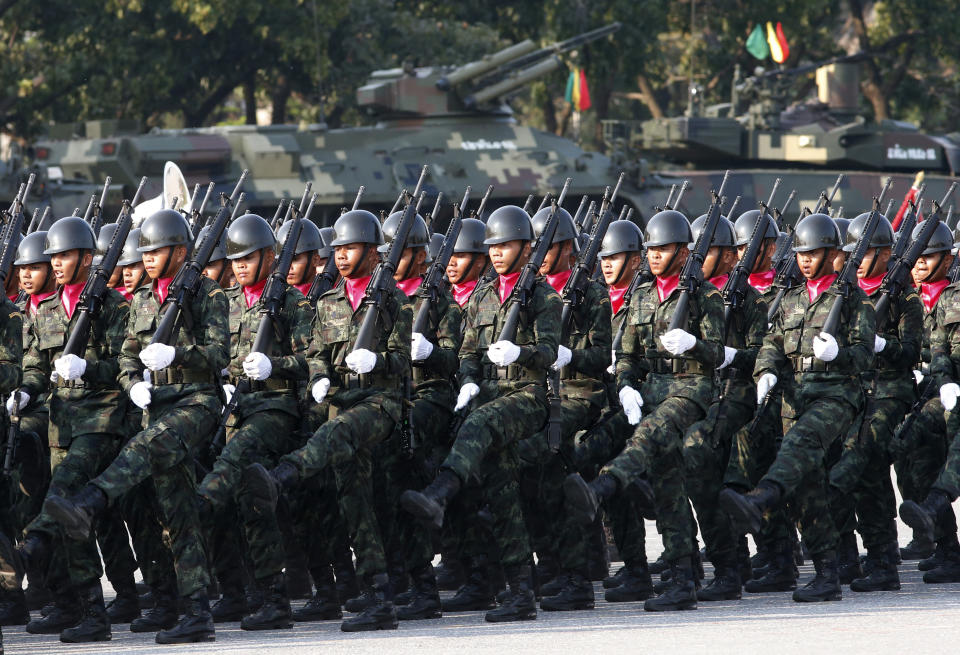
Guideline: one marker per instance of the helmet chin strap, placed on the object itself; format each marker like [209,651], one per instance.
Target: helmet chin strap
[669,264]
[256,276]
[49,280]
[515,261]
[823,262]
[936,268]
[873,264]
[363,258]
[76,269]
[166,264]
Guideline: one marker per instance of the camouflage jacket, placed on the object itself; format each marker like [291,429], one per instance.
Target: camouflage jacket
[95,403]
[945,337]
[538,336]
[11,348]
[789,343]
[435,374]
[202,346]
[929,325]
[904,334]
[748,326]
[287,350]
[643,363]
[590,342]
[334,330]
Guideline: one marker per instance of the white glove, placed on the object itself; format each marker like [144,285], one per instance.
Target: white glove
[70,367]
[728,355]
[24,399]
[613,362]
[564,355]
[677,341]
[766,382]
[879,343]
[420,347]
[53,376]
[467,393]
[361,361]
[320,389]
[503,353]
[157,356]
[228,391]
[948,395]
[257,366]
[140,394]
[631,401]
[825,347]
[918,376]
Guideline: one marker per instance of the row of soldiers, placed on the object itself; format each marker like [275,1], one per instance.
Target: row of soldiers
[450,438]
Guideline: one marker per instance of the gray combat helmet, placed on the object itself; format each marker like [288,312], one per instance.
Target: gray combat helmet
[70,233]
[842,225]
[30,250]
[666,227]
[814,232]
[164,228]
[621,236]
[327,235]
[103,242]
[248,234]
[745,224]
[418,237]
[436,242]
[508,223]
[470,239]
[940,241]
[130,255]
[566,230]
[357,226]
[219,251]
[309,240]
[882,236]
[724,236]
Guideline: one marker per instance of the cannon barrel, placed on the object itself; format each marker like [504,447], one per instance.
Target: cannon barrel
[514,81]
[485,65]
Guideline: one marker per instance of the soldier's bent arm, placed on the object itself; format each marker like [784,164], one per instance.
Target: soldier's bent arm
[113,321]
[857,354]
[755,323]
[395,360]
[470,348]
[904,340]
[11,349]
[708,348]
[443,358]
[771,357]
[36,365]
[593,359]
[210,349]
[944,346]
[296,316]
[545,310]
[632,367]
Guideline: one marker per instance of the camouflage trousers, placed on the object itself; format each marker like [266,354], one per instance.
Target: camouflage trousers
[165,451]
[861,490]
[141,513]
[345,444]
[949,479]
[75,561]
[555,535]
[262,437]
[654,449]
[920,453]
[594,448]
[18,508]
[706,454]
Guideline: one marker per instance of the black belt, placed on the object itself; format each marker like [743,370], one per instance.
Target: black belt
[172,375]
[512,373]
[270,384]
[366,381]
[676,366]
[810,365]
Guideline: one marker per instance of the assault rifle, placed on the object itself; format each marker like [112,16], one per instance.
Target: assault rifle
[94,214]
[196,210]
[906,226]
[328,277]
[11,229]
[734,291]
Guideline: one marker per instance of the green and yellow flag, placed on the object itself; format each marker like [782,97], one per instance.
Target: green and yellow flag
[757,43]
[578,94]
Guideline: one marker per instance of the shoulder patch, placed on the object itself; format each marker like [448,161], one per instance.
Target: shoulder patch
[14,315]
[712,291]
[303,303]
[215,292]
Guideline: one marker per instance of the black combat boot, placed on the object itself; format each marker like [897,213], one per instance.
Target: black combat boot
[725,584]
[266,486]
[761,559]
[429,505]
[522,603]
[425,601]
[66,613]
[32,555]
[949,568]
[920,547]
[450,574]
[659,565]
[744,567]
[274,613]
[13,608]
[779,575]
[635,584]
[380,614]
[164,613]
[126,606]
[232,605]
[476,593]
[614,580]
[848,559]
[297,578]
[680,592]
[325,603]
[94,624]
[825,584]
[37,595]
[746,510]
[77,513]
[922,517]
[583,498]
[365,599]
[348,586]
[881,570]
[195,626]
[938,558]
[555,585]
[576,594]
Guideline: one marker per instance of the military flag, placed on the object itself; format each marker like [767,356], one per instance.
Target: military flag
[578,94]
[757,43]
[779,50]
[907,199]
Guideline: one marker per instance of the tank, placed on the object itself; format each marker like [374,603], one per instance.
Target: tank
[455,118]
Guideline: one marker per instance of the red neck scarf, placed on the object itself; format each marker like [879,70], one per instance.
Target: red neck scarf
[356,289]
[719,281]
[253,292]
[122,290]
[161,287]
[13,297]
[410,285]
[70,295]
[930,293]
[870,284]
[303,288]
[616,297]
[762,281]
[666,286]
[38,298]
[559,280]
[461,292]
[818,286]
[507,282]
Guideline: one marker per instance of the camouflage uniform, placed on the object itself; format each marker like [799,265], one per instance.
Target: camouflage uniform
[179,420]
[264,425]
[676,392]
[861,479]
[707,443]
[11,357]
[944,368]
[828,398]
[86,416]
[365,410]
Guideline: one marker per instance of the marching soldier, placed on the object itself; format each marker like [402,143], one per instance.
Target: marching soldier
[306,260]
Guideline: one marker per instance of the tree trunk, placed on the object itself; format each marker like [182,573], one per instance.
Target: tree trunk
[872,86]
[250,101]
[648,98]
[280,95]
[549,113]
